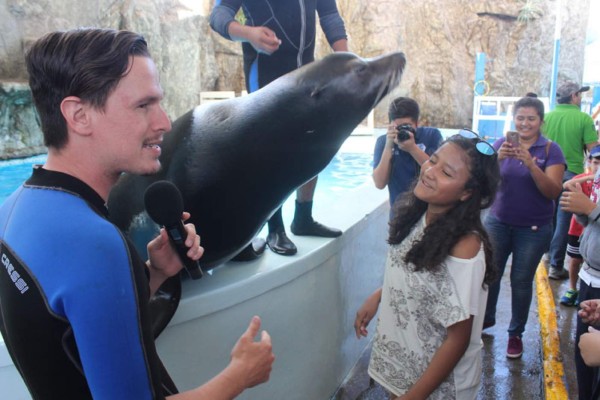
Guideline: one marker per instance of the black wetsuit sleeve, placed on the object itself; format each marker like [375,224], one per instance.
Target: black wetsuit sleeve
[331,21]
[223,14]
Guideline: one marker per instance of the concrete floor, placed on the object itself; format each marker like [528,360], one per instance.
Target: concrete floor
[502,378]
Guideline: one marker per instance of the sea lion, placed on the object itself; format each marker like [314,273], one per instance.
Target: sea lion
[236,161]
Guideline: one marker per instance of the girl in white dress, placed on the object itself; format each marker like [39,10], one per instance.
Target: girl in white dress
[432,302]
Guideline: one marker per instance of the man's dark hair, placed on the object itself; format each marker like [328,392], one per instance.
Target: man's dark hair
[87,63]
[404,107]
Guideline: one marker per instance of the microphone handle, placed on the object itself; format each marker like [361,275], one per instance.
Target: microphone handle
[177,234]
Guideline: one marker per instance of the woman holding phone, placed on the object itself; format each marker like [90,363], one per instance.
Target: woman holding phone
[520,220]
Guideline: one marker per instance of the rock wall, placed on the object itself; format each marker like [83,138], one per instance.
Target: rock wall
[18,121]
[439,37]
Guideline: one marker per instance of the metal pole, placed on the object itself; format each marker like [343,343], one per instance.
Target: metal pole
[557,29]
[480,74]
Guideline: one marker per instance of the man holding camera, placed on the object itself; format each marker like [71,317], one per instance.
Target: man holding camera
[399,154]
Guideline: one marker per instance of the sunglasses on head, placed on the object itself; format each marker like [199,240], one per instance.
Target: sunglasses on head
[482,146]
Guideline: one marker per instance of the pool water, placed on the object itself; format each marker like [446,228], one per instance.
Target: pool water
[14,172]
[344,172]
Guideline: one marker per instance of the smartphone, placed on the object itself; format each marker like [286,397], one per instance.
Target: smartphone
[513,138]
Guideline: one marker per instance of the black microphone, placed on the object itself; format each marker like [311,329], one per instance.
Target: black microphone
[164,205]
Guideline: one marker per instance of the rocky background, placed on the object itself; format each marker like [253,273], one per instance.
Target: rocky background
[439,37]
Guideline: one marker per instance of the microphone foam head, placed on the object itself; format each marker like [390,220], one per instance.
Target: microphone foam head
[163,203]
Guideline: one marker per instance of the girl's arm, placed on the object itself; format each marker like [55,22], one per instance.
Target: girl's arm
[443,361]
[366,313]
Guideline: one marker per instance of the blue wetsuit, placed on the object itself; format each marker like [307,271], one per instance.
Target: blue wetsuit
[74,296]
[404,167]
[294,23]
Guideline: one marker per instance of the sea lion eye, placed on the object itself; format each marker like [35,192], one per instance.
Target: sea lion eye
[316,91]
[361,67]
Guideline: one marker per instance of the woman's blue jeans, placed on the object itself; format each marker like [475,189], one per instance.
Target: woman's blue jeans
[527,245]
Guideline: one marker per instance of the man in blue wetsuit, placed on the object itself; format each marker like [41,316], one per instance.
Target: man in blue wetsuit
[399,154]
[74,293]
[279,37]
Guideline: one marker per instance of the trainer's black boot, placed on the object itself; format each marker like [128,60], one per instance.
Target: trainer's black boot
[277,240]
[279,243]
[304,224]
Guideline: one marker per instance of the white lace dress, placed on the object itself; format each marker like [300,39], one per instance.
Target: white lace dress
[416,309]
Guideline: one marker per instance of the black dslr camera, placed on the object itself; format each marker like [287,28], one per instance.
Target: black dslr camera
[403,132]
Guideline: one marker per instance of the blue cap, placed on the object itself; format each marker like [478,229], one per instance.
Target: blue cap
[595,152]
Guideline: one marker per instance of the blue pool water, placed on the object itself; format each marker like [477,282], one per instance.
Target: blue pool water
[14,172]
[344,172]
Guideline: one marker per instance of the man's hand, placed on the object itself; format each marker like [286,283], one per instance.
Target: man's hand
[252,361]
[263,39]
[408,145]
[163,260]
[391,137]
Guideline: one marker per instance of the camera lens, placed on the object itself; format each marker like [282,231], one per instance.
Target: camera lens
[403,135]
[403,132]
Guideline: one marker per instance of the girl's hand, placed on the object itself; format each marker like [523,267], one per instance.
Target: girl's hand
[365,314]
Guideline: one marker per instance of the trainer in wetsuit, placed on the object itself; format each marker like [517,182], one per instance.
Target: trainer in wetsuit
[74,293]
[279,37]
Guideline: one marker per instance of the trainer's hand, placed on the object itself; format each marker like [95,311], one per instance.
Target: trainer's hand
[163,257]
[263,39]
[253,359]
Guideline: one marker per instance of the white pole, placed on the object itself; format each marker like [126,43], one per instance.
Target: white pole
[557,30]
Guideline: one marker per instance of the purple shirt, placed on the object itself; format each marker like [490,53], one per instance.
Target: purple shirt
[519,202]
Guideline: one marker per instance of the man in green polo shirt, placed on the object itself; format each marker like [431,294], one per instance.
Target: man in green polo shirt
[575,133]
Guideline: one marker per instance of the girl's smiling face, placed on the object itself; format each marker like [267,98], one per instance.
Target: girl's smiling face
[443,178]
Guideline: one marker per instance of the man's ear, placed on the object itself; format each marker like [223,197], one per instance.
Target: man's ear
[76,115]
